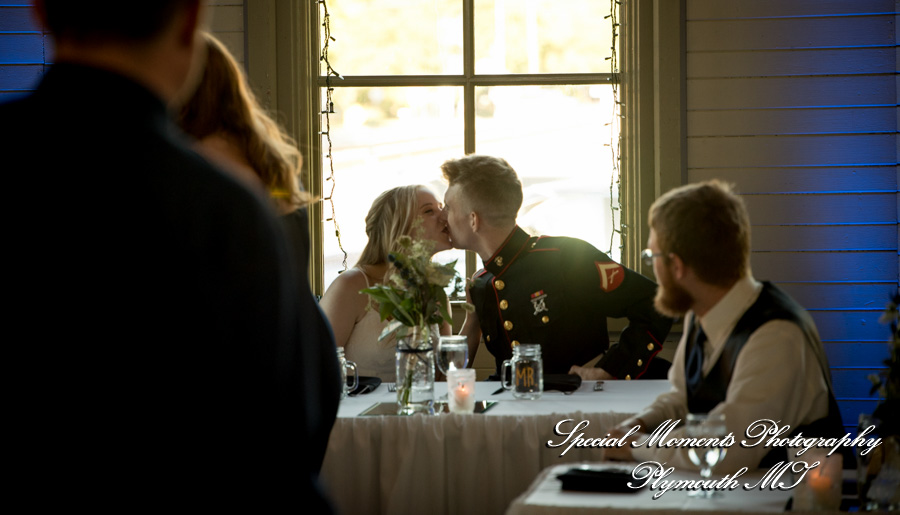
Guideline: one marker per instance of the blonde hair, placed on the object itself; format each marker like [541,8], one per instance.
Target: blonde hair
[392,215]
[224,104]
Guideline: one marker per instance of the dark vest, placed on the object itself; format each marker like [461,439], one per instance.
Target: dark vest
[704,393]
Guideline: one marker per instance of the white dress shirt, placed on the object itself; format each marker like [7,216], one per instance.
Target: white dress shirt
[776,376]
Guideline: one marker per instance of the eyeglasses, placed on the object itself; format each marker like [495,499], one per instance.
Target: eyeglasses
[647,257]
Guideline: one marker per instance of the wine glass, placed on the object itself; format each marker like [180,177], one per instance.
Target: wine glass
[703,425]
[452,353]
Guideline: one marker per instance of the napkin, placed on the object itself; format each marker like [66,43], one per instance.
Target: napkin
[562,382]
[364,381]
[603,479]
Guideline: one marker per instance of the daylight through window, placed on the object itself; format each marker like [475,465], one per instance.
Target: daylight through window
[423,82]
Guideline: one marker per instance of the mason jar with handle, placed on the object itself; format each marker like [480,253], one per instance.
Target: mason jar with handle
[345,365]
[527,375]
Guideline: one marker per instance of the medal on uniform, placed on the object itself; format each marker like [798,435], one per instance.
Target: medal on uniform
[538,300]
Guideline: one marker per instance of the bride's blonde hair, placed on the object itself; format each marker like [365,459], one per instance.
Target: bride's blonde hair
[392,215]
[224,104]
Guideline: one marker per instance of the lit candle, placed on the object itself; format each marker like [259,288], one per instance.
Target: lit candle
[461,384]
[819,483]
[463,400]
[821,489]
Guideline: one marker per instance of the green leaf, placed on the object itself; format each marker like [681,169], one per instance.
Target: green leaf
[385,311]
[401,312]
[445,313]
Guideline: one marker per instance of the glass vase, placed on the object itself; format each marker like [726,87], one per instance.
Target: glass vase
[415,370]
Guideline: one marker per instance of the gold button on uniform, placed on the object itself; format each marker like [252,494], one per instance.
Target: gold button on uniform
[640,362]
[628,377]
[508,325]
[649,346]
[499,284]
[545,320]
[504,304]
[488,338]
[514,343]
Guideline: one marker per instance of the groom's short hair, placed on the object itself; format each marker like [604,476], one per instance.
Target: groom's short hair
[489,186]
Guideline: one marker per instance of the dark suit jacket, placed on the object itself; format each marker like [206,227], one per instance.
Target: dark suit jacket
[159,347]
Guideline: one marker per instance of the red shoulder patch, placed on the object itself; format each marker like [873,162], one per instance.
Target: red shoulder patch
[611,275]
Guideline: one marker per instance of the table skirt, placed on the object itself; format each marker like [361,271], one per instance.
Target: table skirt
[437,465]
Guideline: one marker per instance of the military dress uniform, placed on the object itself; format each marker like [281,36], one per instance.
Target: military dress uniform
[557,292]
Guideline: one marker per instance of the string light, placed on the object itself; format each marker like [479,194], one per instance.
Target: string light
[615,143]
[615,128]
[327,111]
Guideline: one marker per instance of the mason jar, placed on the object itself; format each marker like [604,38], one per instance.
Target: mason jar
[526,379]
[344,365]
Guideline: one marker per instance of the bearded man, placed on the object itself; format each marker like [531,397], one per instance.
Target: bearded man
[749,351]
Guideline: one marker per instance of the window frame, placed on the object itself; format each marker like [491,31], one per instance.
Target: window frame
[283,65]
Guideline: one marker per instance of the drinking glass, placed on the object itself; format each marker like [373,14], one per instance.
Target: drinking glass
[526,372]
[703,425]
[346,365]
[453,353]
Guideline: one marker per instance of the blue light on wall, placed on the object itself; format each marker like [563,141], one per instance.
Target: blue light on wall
[22,55]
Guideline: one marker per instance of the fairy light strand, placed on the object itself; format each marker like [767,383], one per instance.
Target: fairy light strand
[615,190]
[327,110]
[615,143]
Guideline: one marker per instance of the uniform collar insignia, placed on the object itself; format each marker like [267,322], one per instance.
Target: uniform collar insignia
[507,251]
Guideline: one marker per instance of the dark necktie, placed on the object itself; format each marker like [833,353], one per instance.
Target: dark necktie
[694,366]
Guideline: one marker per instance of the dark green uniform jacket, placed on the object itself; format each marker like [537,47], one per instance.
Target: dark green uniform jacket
[557,292]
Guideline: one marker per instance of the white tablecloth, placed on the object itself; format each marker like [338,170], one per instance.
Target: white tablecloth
[464,463]
[545,497]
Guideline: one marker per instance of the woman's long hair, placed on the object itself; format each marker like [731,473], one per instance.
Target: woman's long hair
[391,216]
[224,104]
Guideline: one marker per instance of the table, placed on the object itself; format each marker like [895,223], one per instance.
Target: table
[464,463]
[545,496]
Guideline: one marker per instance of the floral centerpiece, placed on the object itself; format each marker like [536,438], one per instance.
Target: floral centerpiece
[887,383]
[416,303]
[879,472]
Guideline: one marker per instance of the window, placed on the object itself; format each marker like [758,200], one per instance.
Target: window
[423,82]
[283,64]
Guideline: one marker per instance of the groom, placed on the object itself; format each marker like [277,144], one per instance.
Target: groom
[553,291]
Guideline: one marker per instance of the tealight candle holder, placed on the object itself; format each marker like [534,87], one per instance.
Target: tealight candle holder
[820,489]
[461,390]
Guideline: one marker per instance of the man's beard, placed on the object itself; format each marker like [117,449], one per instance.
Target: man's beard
[672,300]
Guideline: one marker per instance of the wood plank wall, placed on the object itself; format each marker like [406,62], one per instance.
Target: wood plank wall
[25,50]
[796,104]
[227,24]
[21,49]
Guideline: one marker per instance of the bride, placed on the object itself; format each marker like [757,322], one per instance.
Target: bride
[355,321]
